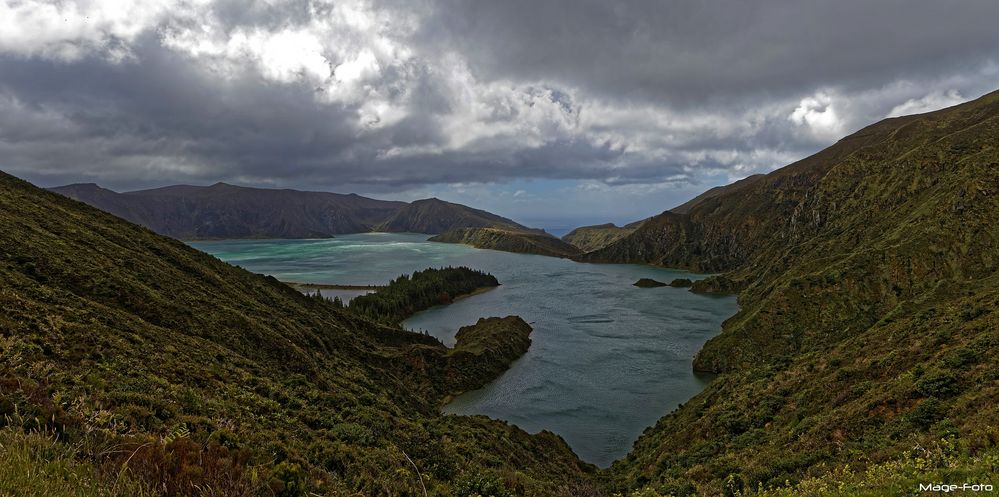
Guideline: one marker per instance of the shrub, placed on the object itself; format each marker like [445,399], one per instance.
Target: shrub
[479,485]
[937,384]
[928,412]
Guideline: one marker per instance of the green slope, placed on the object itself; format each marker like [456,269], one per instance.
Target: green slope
[868,291]
[509,240]
[589,238]
[135,348]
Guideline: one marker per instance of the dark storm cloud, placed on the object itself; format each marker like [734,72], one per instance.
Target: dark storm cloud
[689,52]
[392,95]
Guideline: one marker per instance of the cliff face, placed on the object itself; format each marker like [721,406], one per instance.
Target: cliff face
[863,272]
[509,241]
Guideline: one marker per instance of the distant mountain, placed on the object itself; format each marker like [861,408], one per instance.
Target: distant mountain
[868,282]
[436,216]
[227,211]
[589,238]
[520,241]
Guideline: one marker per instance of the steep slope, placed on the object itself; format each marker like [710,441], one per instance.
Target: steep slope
[716,192]
[227,211]
[726,230]
[435,216]
[868,293]
[590,238]
[143,352]
[524,242]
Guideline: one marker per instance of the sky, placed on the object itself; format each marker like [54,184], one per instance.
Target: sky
[554,113]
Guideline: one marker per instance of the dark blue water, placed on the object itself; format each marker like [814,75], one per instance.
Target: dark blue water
[607,359]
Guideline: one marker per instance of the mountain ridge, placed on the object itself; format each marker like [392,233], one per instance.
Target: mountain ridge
[222,210]
[597,236]
[435,216]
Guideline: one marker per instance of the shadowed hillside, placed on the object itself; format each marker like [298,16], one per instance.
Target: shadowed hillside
[227,211]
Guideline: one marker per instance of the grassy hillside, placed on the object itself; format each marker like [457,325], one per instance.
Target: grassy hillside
[524,242]
[868,325]
[589,238]
[165,366]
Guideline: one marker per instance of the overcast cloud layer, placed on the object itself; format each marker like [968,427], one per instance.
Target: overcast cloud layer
[534,109]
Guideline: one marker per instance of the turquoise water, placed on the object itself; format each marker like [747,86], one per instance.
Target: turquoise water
[607,360]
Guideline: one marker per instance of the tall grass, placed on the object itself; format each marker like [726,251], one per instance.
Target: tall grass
[36,464]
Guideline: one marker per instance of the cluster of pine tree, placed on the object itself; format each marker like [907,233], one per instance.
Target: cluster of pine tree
[409,294]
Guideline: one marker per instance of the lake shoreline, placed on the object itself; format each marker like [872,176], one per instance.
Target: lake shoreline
[607,359]
[330,286]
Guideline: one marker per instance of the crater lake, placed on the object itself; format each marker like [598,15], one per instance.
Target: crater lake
[607,359]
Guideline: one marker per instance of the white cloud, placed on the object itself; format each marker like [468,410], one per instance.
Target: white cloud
[934,101]
[69,30]
[818,113]
[285,56]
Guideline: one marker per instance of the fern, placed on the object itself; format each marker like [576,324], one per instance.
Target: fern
[180,431]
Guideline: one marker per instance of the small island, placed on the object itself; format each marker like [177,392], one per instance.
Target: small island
[485,350]
[648,283]
[681,283]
